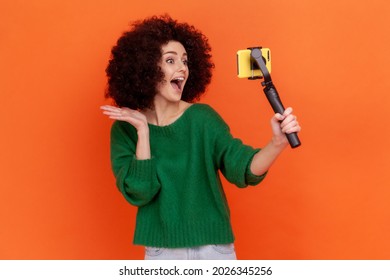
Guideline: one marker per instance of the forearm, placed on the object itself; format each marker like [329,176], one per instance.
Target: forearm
[263,160]
[281,124]
[143,145]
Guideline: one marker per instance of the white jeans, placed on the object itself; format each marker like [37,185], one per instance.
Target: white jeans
[207,252]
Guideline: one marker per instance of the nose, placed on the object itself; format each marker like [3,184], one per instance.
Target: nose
[182,66]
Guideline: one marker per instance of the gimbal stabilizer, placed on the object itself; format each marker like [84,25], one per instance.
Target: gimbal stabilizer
[271,93]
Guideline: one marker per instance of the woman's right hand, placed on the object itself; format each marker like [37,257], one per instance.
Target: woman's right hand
[139,121]
[134,117]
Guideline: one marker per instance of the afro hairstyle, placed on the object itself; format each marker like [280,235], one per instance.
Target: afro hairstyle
[133,70]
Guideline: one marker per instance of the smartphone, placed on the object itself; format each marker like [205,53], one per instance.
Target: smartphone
[247,67]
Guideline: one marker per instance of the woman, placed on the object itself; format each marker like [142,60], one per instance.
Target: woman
[167,151]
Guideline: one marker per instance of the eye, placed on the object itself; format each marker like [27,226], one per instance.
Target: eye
[170,61]
[185,62]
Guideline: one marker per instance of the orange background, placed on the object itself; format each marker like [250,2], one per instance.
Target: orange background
[328,199]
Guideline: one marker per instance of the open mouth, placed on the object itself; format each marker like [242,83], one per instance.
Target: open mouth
[177,83]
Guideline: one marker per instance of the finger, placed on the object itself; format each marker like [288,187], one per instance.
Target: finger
[110,113]
[279,117]
[288,119]
[120,114]
[291,127]
[110,109]
[130,119]
[288,111]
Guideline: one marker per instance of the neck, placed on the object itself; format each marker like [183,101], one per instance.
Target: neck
[165,114]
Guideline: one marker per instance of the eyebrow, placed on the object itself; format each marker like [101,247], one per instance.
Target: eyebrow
[173,52]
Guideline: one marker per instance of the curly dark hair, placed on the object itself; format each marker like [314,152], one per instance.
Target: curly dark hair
[133,72]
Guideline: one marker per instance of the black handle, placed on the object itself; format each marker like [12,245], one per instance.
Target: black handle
[277,106]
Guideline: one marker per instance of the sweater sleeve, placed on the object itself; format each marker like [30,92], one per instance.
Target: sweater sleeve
[135,179]
[233,157]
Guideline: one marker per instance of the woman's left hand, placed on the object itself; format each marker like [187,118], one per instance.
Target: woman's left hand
[282,124]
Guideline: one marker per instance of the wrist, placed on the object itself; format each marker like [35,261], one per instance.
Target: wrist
[279,141]
[143,131]
[143,145]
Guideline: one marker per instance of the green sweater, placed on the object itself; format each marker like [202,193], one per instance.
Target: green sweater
[180,199]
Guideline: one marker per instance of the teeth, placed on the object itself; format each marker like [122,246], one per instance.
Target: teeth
[179,79]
